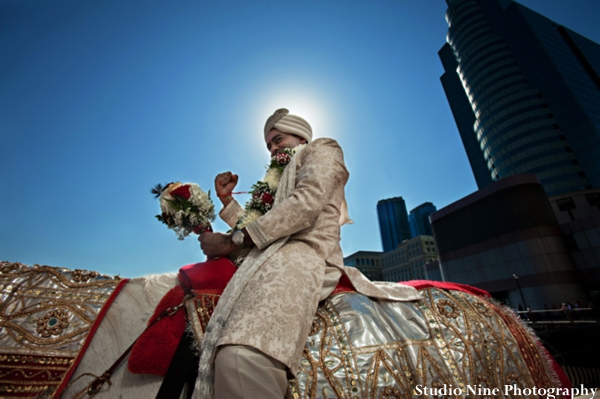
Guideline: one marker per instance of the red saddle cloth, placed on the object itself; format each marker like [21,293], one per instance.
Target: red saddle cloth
[153,351]
[423,284]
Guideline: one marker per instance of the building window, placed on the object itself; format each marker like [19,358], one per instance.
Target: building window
[593,199]
[566,204]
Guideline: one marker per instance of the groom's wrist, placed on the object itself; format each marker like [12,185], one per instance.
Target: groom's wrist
[247,239]
[225,199]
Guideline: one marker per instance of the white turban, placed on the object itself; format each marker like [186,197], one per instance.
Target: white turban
[283,121]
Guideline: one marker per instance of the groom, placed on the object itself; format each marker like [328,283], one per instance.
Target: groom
[264,334]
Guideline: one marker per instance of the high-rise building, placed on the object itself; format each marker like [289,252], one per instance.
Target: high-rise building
[506,239]
[525,94]
[368,262]
[419,219]
[393,222]
[407,262]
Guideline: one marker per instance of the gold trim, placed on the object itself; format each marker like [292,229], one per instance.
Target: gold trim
[469,343]
[20,366]
[45,316]
[190,305]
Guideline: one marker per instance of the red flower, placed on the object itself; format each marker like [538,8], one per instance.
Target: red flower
[267,199]
[181,192]
[282,159]
[202,229]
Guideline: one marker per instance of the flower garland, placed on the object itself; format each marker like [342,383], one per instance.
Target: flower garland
[263,192]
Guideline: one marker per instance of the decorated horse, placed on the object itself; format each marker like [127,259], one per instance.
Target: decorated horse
[61,332]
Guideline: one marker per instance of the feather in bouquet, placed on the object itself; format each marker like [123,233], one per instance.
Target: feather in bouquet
[185,208]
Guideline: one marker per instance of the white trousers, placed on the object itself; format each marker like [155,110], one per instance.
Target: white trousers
[245,372]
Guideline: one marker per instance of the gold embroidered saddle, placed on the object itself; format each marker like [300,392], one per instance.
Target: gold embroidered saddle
[361,348]
[47,318]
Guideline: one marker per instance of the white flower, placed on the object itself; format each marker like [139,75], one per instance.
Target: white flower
[197,196]
[298,148]
[272,178]
[164,207]
[177,217]
[248,217]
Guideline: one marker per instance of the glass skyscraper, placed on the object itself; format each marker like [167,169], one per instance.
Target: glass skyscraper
[525,94]
[393,222]
[419,219]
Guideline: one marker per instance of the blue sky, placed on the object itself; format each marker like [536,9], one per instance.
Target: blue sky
[99,101]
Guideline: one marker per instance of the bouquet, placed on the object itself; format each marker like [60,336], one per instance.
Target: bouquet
[185,208]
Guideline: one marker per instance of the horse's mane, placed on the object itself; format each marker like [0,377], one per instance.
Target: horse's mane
[142,294]
[125,320]
[155,285]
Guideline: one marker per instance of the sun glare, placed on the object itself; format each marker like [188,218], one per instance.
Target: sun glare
[300,100]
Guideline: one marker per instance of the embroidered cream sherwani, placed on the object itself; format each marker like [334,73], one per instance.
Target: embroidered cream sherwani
[276,308]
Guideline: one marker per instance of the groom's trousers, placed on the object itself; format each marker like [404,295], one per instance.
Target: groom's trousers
[245,372]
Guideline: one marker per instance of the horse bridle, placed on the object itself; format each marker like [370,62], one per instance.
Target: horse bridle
[94,387]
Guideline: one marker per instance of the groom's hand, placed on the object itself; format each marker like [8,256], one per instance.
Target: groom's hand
[224,185]
[216,245]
